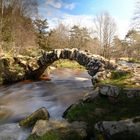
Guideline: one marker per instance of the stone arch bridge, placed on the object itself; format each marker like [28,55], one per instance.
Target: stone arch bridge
[95,65]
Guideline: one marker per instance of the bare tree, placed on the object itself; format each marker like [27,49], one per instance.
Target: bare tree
[59,37]
[1,22]
[16,27]
[105,29]
[136,18]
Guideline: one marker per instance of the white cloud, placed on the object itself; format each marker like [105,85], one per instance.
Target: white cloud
[80,20]
[60,4]
[55,15]
[54,3]
[69,6]
[88,21]
[123,26]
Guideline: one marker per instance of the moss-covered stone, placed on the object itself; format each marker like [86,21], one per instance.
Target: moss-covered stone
[55,135]
[14,69]
[40,114]
[120,79]
[118,74]
[48,136]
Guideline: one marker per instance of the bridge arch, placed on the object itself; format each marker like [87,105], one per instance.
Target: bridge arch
[94,64]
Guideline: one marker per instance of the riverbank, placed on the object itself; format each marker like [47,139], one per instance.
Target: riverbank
[112,105]
[19,100]
[115,112]
[108,109]
[116,103]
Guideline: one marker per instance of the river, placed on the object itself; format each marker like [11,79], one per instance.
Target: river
[21,99]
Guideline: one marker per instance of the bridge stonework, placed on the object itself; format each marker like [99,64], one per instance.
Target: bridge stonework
[97,66]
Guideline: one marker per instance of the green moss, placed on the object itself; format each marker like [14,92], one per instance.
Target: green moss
[133,60]
[28,122]
[55,135]
[17,69]
[119,74]
[48,136]
[32,119]
[73,135]
[125,108]
[85,111]
[1,80]
[119,79]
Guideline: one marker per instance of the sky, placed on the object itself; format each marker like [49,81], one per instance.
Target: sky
[82,12]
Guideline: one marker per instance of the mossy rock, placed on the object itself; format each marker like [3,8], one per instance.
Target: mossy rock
[55,135]
[118,74]
[48,136]
[40,114]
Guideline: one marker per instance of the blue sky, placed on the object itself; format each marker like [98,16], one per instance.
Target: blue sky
[82,12]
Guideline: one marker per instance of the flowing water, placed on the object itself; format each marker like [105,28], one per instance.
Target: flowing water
[19,100]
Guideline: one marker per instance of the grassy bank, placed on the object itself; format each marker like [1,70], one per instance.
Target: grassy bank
[120,79]
[101,109]
[125,108]
[55,135]
[65,63]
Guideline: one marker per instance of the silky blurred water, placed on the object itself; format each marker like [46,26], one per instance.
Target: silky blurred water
[19,100]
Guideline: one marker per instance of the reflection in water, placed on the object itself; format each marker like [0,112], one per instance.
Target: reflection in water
[66,87]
